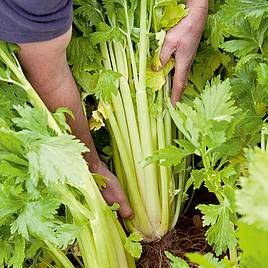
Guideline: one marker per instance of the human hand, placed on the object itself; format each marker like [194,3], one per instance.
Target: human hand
[183,40]
[113,193]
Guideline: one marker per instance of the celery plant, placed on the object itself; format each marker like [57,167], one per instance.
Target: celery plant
[121,41]
[46,165]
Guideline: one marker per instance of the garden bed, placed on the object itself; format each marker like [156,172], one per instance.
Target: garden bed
[188,236]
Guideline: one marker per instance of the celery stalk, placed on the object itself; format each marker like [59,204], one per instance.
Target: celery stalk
[110,63]
[130,116]
[151,186]
[164,174]
[59,255]
[141,219]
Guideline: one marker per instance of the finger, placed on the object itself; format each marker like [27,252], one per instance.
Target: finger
[125,211]
[166,52]
[182,68]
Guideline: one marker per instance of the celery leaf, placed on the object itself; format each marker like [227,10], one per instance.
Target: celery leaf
[34,119]
[252,199]
[53,159]
[221,233]
[253,242]
[207,261]
[16,261]
[176,262]
[133,246]
[169,156]
[106,85]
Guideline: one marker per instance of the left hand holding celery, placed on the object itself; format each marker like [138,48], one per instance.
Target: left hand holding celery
[182,40]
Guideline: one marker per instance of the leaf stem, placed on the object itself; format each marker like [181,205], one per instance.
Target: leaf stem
[59,255]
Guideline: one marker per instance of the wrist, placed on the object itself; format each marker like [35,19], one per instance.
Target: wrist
[197,5]
[198,10]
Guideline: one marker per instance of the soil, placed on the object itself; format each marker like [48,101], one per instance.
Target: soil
[188,236]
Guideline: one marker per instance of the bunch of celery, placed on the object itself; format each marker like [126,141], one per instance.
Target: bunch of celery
[41,168]
[121,41]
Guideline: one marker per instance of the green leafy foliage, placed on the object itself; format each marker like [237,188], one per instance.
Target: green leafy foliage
[253,10]
[82,55]
[84,59]
[172,15]
[35,180]
[208,261]
[222,112]
[221,234]
[106,85]
[10,96]
[156,80]
[52,159]
[133,246]
[176,262]
[252,203]
[160,37]
[34,218]
[28,210]
[18,256]
[169,156]
[252,198]
[206,122]
[216,103]
[32,119]
[106,33]
[168,13]
[212,59]
[87,14]
[60,117]
[253,241]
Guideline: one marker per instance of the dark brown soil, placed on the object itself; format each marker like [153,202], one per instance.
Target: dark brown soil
[188,236]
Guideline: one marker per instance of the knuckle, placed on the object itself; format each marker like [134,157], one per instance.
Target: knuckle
[120,198]
[170,40]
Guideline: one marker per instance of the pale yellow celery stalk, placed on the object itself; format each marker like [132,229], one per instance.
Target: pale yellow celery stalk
[168,135]
[152,202]
[85,241]
[134,134]
[110,64]
[119,171]
[131,262]
[164,174]
[167,117]
[58,255]
[141,222]
[153,122]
